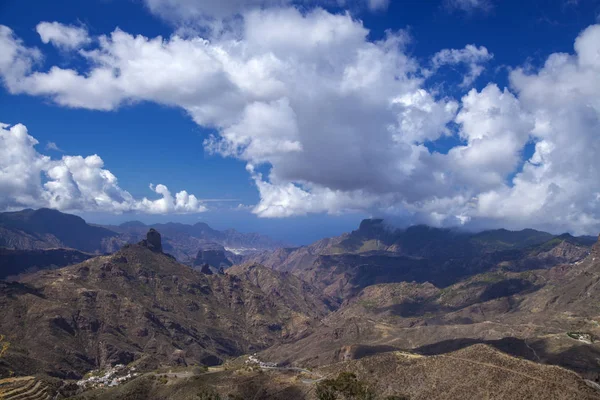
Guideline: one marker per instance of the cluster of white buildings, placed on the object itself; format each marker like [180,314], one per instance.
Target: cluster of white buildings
[582,337]
[254,360]
[110,377]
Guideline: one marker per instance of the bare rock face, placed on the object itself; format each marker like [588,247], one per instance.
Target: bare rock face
[565,252]
[153,241]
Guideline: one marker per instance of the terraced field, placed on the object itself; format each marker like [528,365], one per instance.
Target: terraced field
[23,388]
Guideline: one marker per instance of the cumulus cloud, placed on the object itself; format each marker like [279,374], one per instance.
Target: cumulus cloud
[495,128]
[329,121]
[559,185]
[66,37]
[72,183]
[471,56]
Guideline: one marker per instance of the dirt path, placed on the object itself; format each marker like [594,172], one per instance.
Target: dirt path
[187,373]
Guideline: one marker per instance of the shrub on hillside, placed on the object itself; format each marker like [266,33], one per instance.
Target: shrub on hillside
[346,386]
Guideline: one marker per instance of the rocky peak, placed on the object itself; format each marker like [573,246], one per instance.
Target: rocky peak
[153,241]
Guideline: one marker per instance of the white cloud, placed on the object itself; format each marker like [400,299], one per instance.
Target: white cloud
[496,129]
[72,183]
[335,122]
[214,13]
[378,5]
[266,130]
[559,185]
[16,60]
[65,37]
[53,146]
[188,10]
[470,6]
[471,56]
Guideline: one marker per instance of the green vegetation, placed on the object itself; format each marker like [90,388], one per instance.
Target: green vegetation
[528,275]
[346,386]
[368,304]
[502,239]
[208,394]
[547,246]
[94,373]
[583,336]
[199,369]
[488,278]
[370,245]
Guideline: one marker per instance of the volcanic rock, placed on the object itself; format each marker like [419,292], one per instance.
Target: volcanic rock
[153,241]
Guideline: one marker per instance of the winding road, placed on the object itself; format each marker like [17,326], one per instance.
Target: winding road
[296,369]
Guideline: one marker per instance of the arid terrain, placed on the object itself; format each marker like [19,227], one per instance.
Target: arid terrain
[421,313]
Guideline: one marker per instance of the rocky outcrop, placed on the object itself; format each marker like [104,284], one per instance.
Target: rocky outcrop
[205,269]
[153,241]
[214,255]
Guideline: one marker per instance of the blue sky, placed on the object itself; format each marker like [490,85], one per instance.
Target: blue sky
[142,141]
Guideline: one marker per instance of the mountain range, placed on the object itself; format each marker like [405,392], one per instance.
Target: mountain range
[419,313]
[376,253]
[48,229]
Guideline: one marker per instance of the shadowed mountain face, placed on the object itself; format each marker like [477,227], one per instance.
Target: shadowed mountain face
[376,253]
[17,262]
[140,305]
[214,255]
[45,228]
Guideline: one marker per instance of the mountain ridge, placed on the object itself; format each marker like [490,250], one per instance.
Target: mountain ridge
[139,305]
[376,253]
[47,229]
[529,314]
